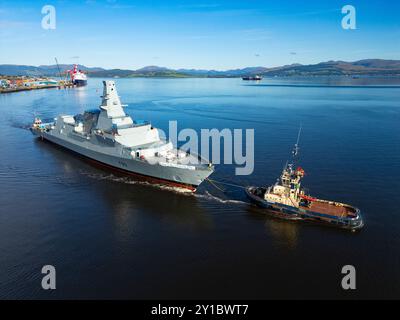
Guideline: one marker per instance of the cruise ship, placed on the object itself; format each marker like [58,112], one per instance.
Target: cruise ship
[112,139]
[78,78]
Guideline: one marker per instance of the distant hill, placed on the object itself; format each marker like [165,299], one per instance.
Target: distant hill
[150,71]
[375,67]
[50,70]
[112,73]
[227,73]
[362,67]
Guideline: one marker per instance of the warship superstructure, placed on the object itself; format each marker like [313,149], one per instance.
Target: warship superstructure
[111,138]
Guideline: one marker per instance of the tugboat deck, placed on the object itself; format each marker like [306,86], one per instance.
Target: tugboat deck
[331,208]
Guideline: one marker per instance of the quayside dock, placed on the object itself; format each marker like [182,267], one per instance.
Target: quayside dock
[9,90]
[60,85]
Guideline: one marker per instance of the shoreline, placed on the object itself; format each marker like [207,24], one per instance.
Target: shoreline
[51,86]
[309,76]
[11,90]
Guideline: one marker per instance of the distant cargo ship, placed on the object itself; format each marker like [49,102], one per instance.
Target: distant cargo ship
[78,78]
[255,78]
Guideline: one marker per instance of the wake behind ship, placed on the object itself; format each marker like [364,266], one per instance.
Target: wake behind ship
[112,138]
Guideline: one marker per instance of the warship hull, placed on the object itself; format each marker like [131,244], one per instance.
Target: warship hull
[141,170]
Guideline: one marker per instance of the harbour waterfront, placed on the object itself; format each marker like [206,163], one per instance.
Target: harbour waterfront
[110,237]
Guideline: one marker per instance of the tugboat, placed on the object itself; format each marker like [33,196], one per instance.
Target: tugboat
[255,78]
[286,199]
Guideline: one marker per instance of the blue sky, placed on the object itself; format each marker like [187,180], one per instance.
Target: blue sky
[206,34]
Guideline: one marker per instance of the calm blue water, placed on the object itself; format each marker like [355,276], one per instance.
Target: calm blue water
[110,237]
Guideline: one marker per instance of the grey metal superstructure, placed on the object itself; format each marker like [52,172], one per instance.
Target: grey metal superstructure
[112,138]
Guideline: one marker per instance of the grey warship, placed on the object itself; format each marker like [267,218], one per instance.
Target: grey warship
[111,138]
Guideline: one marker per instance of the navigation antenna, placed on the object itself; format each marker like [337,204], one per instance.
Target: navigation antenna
[58,66]
[296,148]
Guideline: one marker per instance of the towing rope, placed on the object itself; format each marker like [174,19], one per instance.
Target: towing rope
[214,183]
